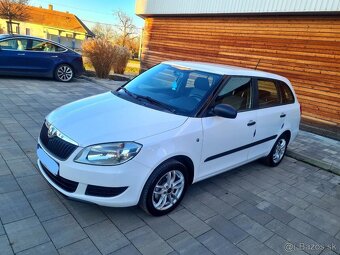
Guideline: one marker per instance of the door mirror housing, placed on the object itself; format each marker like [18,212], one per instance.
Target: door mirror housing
[225,111]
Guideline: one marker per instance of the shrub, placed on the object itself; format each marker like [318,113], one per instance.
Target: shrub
[102,54]
[122,56]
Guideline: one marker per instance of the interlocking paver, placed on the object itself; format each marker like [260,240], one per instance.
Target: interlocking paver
[252,209]
[164,226]
[147,241]
[106,237]
[42,249]
[275,212]
[253,247]
[130,249]
[189,222]
[8,184]
[184,243]
[46,205]
[316,234]
[33,183]
[216,243]
[5,247]
[83,247]
[253,228]
[228,229]
[282,246]
[25,234]
[85,214]
[291,235]
[64,230]
[14,206]
[124,219]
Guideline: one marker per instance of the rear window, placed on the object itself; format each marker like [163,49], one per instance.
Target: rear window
[286,93]
[268,94]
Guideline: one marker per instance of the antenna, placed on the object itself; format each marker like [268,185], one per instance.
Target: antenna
[257,64]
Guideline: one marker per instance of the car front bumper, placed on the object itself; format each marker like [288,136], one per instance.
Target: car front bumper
[77,181]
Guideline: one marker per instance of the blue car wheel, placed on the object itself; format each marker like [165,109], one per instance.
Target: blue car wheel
[64,73]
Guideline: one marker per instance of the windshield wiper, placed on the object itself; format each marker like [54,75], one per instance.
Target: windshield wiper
[149,99]
[127,92]
[156,102]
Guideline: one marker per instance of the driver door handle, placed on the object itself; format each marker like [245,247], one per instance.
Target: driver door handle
[54,56]
[251,123]
[282,115]
[21,54]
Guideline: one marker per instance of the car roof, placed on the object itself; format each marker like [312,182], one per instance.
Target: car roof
[5,36]
[225,69]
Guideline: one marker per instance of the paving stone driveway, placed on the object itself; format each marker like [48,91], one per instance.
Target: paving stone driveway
[291,209]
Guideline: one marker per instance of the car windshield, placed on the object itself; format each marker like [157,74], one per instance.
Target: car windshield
[173,88]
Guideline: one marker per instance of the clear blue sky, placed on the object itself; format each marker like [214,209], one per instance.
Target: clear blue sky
[93,10]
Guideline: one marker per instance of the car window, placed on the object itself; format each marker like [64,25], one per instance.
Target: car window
[237,93]
[183,89]
[287,94]
[268,94]
[45,46]
[14,44]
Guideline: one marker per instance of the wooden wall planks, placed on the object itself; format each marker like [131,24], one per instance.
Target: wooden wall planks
[305,49]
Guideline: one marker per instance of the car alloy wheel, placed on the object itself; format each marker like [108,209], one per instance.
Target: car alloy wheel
[165,188]
[280,150]
[168,190]
[64,73]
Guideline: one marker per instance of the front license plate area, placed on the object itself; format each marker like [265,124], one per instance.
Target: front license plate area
[47,161]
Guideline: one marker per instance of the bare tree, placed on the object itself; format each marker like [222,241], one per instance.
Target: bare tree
[13,10]
[126,28]
[104,31]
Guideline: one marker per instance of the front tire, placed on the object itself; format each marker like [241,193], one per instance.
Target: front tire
[64,73]
[165,188]
[278,152]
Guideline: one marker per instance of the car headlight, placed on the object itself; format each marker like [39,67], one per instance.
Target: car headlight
[108,154]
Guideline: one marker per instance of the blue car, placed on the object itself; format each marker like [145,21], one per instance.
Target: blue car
[31,56]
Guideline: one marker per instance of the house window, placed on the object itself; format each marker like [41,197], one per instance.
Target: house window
[28,31]
[17,29]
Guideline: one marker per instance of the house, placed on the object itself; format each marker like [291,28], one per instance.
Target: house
[299,39]
[62,27]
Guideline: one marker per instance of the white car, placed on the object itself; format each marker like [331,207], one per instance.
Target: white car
[176,124]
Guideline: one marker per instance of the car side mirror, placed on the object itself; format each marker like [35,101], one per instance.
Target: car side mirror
[225,111]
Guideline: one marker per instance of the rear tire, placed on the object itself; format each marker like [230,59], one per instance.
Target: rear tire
[278,152]
[165,188]
[64,73]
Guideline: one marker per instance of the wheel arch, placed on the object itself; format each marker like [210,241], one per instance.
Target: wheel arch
[287,134]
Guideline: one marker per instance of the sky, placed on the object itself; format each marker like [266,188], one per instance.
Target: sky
[90,11]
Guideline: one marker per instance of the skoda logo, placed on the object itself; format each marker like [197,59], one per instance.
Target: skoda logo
[52,131]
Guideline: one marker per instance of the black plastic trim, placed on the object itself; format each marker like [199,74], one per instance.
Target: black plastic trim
[240,148]
[99,191]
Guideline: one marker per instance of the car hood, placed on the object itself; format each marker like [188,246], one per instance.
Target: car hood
[108,118]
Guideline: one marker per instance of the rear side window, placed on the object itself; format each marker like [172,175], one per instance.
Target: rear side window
[287,94]
[268,94]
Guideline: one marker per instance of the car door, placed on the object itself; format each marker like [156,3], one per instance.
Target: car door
[270,115]
[226,141]
[12,56]
[43,56]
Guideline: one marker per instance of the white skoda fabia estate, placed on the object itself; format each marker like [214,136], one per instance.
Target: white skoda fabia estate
[175,124]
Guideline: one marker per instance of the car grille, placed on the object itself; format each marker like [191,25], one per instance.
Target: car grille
[56,146]
[65,184]
[99,191]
